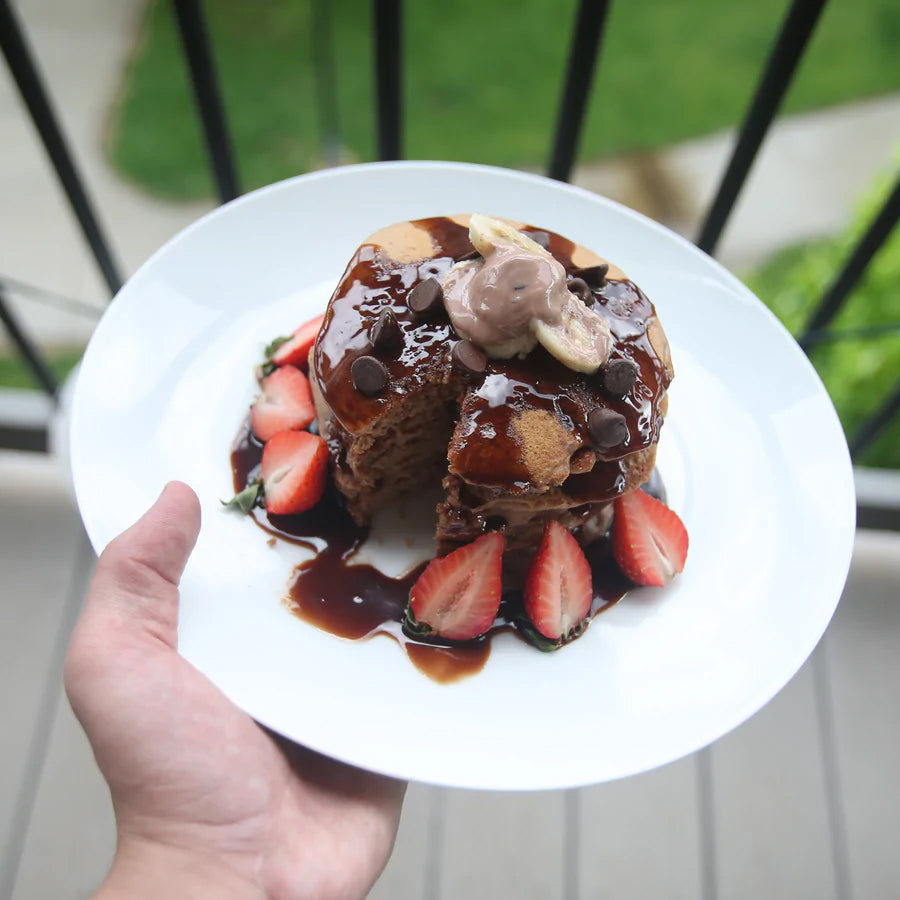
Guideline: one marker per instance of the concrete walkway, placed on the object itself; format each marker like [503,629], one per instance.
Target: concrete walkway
[812,170]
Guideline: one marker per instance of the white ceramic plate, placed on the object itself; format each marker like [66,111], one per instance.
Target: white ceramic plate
[751,453]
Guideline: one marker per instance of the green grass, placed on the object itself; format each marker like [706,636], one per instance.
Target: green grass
[858,372]
[483,80]
[14,373]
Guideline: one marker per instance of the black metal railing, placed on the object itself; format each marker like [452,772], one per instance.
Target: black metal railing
[388,32]
[205,80]
[584,52]
[25,73]
[779,72]
[587,36]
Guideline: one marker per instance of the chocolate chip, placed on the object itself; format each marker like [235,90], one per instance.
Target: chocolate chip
[467,359]
[369,375]
[426,299]
[579,287]
[541,238]
[385,335]
[595,276]
[472,254]
[619,376]
[606,427]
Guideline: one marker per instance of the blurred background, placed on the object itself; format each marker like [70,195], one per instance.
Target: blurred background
[801,801]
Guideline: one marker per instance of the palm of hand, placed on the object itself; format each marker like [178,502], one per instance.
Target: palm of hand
[186,767]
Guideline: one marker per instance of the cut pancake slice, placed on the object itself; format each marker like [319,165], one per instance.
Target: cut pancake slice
[514,442]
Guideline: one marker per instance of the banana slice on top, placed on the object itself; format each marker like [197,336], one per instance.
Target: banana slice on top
[488,234]
[517,295]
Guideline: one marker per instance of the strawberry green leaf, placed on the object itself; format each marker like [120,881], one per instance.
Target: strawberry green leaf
[246,499]
[273,345]
[412,626]
[525,627]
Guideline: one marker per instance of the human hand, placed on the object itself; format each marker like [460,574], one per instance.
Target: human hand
[207,803]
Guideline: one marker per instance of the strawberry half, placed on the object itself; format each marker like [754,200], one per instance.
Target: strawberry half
[285,404]
[295,350]
[649,541]
[558,588]
[294,472]
[457,597]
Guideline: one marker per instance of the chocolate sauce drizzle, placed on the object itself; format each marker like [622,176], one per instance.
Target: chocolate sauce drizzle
[358,601]
[486,449]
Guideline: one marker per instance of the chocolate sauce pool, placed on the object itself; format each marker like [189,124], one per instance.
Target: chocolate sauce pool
[358,601]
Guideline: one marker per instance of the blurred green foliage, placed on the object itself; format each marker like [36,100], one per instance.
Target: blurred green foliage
[859,371]
[14,373]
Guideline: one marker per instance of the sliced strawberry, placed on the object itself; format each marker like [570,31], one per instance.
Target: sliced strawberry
[285,404]
[558,588]
[295,350]
[294,472]
[457,597]
[649,541]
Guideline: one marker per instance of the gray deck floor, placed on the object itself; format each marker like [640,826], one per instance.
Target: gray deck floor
[802,801]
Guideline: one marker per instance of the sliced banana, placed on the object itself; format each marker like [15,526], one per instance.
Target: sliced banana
[577,336]
[519,346]
[581,340]
[486,234]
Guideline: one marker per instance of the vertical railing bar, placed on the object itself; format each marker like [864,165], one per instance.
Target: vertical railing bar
[22,66]
[876,423]
[780,67]
[29,352]
[388,29]
[208,96]
[870,243]
[584,49]
[325,73]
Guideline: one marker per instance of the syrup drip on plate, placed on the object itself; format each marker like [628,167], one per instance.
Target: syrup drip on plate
[358,601]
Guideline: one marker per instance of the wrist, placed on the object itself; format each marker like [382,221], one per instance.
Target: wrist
[148,870]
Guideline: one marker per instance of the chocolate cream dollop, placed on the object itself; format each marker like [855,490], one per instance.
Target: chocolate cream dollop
[516,296]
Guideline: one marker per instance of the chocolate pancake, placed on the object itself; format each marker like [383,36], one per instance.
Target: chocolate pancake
[404,402]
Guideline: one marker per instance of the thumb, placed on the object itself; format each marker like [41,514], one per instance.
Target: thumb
[135,585]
